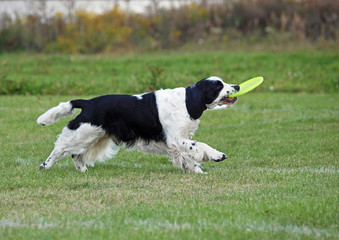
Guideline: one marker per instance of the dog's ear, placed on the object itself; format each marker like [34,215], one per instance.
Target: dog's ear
[210,88]
[195,101]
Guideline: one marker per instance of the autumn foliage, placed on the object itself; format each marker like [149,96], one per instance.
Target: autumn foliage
[115,30]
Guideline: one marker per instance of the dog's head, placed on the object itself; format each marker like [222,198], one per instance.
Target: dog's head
[216,91]
[207,94]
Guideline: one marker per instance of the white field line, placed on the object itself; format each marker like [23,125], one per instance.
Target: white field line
[68,162]
[155,225]
[23,162]
[7,223]
[322,170]
[288,229]
[32,162]
[261,226]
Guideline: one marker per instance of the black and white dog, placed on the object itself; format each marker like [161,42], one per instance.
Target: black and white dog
[160,122]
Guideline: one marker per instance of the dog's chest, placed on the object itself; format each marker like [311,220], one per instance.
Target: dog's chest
[173,113]
[190,128]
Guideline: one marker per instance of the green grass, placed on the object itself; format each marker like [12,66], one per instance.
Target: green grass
[280,181]
[310,71]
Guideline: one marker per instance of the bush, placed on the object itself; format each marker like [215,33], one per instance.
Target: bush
[86,32]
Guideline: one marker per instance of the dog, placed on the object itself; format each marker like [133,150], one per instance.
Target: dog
[161,122]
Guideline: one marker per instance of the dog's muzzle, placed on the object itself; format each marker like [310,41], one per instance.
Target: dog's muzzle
[227,100]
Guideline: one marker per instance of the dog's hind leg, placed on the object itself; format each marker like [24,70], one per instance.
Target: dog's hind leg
[55,156]
[74,142]
[79,162]
[63,148]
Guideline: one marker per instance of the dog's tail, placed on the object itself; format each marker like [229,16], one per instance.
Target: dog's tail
[64,109]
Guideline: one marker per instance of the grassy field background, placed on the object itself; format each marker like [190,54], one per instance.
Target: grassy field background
[312,71]
[280,181]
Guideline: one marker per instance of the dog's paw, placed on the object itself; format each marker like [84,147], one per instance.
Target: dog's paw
[221,158]
[82,168]
[197,169]
[46,164]
[43,166]
[214,155]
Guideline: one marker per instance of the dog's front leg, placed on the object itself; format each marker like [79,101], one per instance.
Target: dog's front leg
[185,161]
[188,154]
[202,152]
[211,154]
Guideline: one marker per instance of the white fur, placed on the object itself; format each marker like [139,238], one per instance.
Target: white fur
[64,109]
[221,107]
[152,147]
[104,149]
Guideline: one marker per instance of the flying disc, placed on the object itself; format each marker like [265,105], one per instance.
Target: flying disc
[247,86]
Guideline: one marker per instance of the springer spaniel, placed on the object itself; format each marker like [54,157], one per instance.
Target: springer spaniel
[160,122]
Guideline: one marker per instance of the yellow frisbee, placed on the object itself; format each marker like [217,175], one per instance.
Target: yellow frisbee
[247,86]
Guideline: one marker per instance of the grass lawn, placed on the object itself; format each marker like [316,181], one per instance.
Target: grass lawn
[311,71]
[281,179]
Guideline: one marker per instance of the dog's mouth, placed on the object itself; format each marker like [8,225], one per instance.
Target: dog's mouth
[227,100]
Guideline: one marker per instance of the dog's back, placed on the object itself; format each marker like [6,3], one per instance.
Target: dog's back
[125,117]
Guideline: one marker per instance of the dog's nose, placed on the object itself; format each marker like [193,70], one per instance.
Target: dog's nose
[236,87]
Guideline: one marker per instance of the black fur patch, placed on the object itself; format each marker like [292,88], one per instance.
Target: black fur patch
[125,117]
[202,93]
[210,89]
